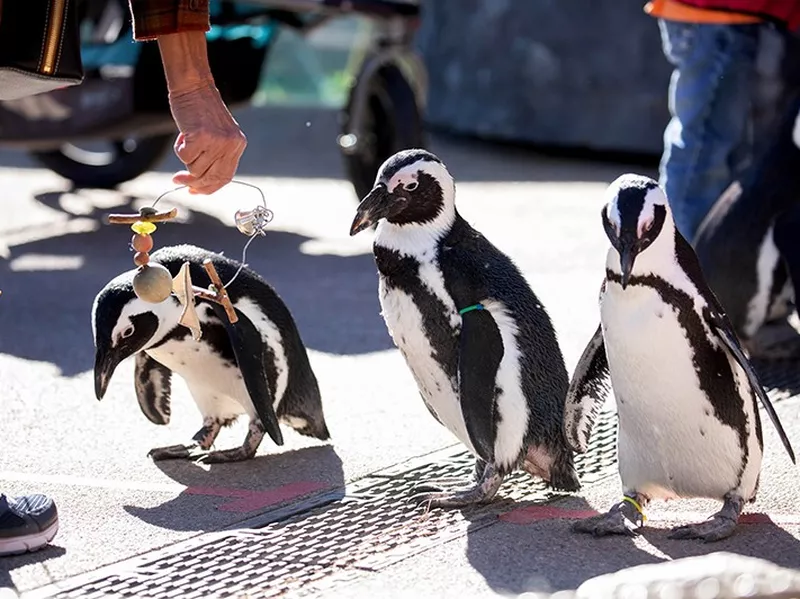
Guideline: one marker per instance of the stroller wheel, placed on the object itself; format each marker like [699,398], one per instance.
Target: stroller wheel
[122,161]
[386,121]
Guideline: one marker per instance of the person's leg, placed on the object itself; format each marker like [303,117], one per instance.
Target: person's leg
[709,100]
[26,523]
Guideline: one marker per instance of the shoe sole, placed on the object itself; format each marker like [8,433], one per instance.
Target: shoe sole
[28,543]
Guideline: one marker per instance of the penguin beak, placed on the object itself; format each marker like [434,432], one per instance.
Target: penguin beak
[627,256]
[109,355]
[375,206]
[106,361]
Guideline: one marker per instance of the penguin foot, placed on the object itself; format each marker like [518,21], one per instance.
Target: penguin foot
[255,433]
[482,492]
[237,454]
[174,452]
[625,518]
[437,485]
[715,528]
[719,526]
[613,522]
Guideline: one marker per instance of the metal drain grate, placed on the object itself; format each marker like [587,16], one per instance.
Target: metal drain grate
[371,527]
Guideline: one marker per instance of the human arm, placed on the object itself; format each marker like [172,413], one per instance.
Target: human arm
[210,142]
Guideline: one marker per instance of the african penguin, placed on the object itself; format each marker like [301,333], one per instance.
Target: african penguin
[478,342]
[258,366]
[748,247]
[689,424]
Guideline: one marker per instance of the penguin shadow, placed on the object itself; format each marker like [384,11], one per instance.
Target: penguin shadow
[55,271]
[762,540]
[14,562]
[546,556]
[216,494]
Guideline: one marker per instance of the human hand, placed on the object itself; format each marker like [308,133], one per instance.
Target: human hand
[210,142]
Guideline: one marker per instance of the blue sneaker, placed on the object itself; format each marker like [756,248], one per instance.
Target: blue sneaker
[26,523]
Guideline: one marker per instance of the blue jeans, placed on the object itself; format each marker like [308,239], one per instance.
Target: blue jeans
[709,137]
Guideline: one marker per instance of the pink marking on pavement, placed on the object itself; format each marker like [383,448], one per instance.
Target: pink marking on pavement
[537,513]
[247,500]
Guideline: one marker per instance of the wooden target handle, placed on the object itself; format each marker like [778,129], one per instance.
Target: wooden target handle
[221,297]
[129,219]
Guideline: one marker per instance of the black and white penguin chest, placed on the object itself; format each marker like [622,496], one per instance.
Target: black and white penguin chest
[209,368]
[687,416]
[424,323]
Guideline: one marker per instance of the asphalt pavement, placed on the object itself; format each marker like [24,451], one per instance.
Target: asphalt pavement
[115,503]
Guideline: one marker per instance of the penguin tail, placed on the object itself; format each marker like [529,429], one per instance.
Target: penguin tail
[319,430]
[305,415]
[307,423]
[301,405]
[563,476]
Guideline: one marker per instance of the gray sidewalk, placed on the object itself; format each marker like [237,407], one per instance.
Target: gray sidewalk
[312,518]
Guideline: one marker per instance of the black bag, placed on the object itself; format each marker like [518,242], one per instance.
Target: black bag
[39,47]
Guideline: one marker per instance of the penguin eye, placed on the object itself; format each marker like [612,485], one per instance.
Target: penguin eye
[411,186]
[127,332]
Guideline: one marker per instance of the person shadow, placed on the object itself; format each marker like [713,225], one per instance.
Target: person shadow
[55,271]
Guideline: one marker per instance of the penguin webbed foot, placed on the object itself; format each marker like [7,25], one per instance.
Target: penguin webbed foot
[483,491]
[203,440]
[622,519]
[175,452]
[255,434]
[719,526]
[235,454]
[436,485]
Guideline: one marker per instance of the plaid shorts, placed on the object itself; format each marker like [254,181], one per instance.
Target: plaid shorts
[153,18]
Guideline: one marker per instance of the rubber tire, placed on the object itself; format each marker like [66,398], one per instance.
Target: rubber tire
[394,117]
[148,153]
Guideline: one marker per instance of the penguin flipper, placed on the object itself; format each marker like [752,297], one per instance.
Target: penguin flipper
[250,351]
[727,336]
[153,383]
[587,391]
[480,352]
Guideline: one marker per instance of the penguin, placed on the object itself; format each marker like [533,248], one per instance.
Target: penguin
[479,344]
[257,366]
[688,418]
[748,247]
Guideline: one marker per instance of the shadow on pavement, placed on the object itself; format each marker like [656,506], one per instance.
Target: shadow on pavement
[750,540]
[46,313]
[7,564]
[301,142]
[547,556]
[296,470]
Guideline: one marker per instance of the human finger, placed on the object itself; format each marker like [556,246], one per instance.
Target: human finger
[187,148]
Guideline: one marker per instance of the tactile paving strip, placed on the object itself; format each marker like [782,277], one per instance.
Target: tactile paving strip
[339,539]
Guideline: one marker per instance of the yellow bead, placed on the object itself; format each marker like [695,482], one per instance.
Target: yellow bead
[143,227]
